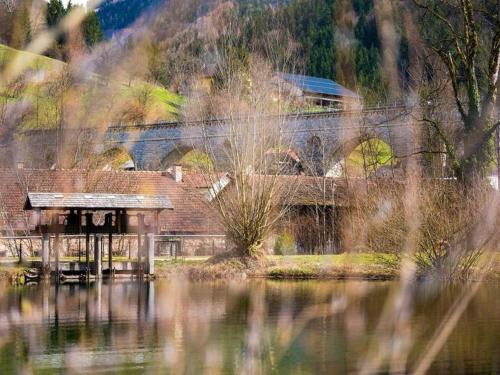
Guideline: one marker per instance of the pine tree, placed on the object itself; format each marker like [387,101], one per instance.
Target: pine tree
[55,12]
[92,29]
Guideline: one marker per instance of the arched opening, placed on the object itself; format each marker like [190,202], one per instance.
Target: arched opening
[282,160]
[314,155]
[116,158]
[368,156]
[189,158]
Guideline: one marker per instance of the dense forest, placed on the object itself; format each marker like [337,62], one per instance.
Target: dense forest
[117,15]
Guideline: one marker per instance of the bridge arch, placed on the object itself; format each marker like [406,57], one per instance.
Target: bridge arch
[189,157]
[115,158]
[365,155]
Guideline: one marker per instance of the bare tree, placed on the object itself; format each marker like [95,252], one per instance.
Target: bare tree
[9,5]
[256,198]
[465,34]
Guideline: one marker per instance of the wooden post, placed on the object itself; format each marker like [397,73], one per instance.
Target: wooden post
[139,245]
[110,253]
[88,225]
[45,254]
[140,229]
[150,254]
[97,255]
[87,255]
[57,249]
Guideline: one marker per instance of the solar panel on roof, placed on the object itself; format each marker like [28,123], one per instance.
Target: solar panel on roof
[317,85]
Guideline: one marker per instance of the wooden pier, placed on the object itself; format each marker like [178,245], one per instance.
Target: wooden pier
[96,217]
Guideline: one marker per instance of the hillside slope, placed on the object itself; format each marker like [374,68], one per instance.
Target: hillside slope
[47,93]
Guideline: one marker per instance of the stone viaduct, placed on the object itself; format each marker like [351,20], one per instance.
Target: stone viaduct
[151,145]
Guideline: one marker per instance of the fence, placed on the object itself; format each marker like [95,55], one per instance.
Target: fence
[124,245]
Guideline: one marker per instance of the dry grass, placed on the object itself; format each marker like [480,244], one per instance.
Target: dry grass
[342,266]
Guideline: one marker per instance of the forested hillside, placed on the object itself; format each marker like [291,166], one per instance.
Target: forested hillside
[334,39]
[116,15]
[330,38]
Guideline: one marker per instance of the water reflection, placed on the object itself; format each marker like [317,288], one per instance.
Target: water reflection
[229,327]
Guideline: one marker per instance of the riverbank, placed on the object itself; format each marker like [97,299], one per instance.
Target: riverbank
[339,266]
[360,266]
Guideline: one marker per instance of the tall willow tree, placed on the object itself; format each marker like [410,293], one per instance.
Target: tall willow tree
[465,34]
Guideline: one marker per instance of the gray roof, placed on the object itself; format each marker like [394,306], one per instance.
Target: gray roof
[317,85]
[96,201]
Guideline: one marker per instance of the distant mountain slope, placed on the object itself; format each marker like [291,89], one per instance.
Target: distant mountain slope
[116,15]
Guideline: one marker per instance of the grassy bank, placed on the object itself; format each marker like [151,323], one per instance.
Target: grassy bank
[12,273]
[341,266]
[362,266]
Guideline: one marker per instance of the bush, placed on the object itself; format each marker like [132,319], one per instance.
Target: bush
[450,228]
[285,244]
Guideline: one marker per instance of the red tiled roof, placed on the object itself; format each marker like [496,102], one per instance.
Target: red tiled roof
[191,214]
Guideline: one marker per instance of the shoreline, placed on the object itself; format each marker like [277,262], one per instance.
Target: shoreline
[358,266]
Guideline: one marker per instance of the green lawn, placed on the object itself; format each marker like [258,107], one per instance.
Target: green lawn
[370,155]
[8,55]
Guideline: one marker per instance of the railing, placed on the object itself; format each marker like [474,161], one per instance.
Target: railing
[178,240]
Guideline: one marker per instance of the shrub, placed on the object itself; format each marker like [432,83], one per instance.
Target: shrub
[285,244]
[451,229]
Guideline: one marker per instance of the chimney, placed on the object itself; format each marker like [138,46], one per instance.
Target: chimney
[177,173]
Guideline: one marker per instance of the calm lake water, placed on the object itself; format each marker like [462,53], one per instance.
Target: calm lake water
[252,326]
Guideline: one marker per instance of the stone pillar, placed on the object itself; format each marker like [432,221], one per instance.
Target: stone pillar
[150,254]
[45,254]
[97,255]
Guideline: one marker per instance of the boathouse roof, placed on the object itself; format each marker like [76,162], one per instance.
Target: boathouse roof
[96,201]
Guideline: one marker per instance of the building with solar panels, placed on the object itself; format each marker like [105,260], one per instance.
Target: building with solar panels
[317,91]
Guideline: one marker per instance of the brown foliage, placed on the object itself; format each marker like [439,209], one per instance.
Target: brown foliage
[455,227]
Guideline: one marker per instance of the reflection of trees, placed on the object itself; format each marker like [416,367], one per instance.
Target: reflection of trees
[192,327]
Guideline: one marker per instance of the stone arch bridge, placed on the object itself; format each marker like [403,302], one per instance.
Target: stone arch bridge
[150,145]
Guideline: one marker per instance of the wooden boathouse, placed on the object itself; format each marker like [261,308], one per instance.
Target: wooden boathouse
[63,214]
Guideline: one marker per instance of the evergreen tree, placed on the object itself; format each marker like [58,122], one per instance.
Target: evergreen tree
[55,12]
[92,29]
